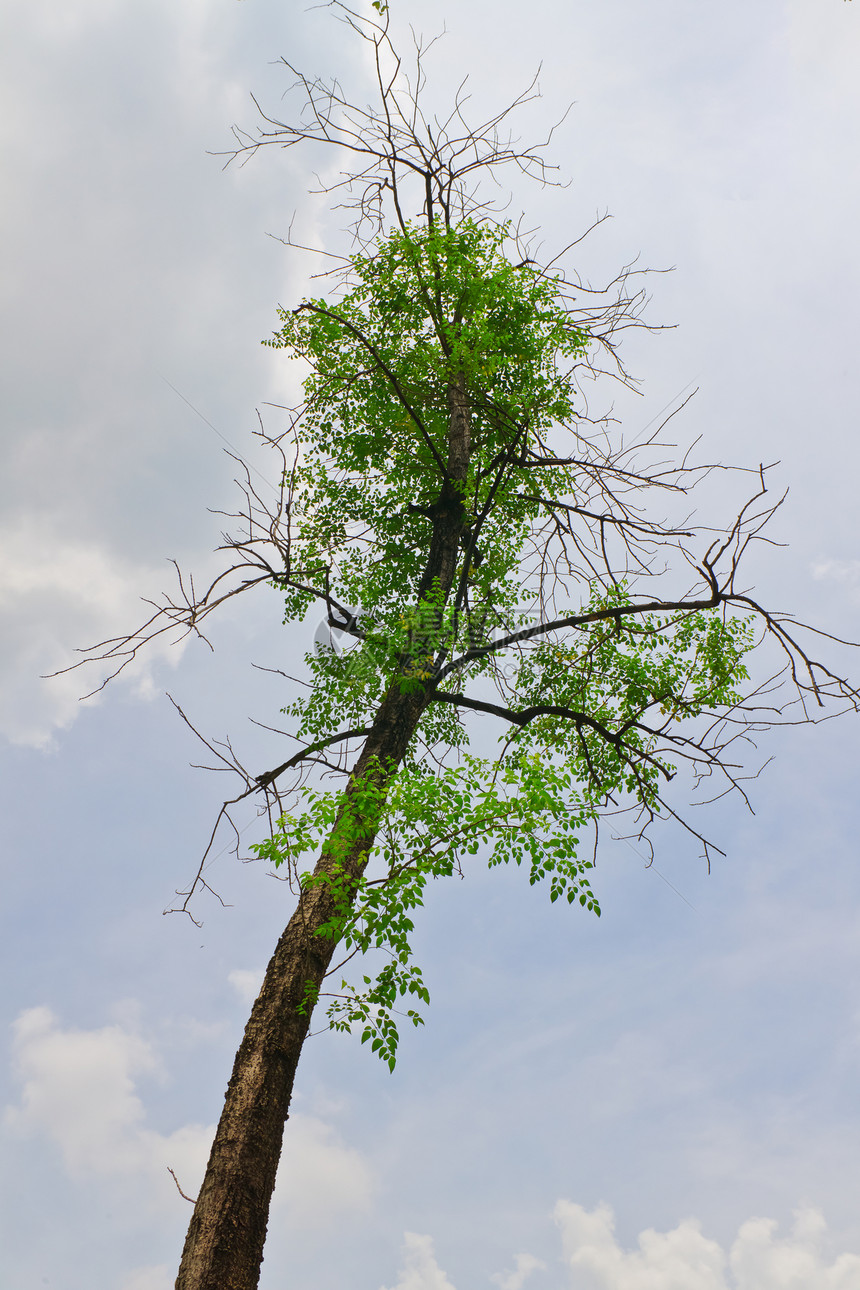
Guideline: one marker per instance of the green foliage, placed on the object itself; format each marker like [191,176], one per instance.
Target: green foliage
[630,678]
[522,810]
[425,310]
[529,807]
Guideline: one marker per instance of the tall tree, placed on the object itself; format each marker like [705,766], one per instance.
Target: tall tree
[488,557]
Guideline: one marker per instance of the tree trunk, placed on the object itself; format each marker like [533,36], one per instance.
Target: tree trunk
[224,1245]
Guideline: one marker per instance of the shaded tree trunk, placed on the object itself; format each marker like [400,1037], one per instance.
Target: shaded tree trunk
[224,1245]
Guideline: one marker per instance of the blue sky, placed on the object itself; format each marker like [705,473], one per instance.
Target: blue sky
[666,1097]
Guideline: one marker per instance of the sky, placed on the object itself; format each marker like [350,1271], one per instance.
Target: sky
[664,1098]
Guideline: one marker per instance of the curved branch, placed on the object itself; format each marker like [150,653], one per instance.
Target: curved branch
[616,612]
[269,776]
[524,716]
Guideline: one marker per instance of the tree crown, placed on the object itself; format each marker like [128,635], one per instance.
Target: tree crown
[596,686]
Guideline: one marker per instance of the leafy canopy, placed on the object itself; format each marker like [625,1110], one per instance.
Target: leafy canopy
[427,309]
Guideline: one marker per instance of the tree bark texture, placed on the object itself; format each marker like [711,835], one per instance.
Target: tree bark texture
[224,1246]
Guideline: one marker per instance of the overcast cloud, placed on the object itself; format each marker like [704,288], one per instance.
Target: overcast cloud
[665,1099]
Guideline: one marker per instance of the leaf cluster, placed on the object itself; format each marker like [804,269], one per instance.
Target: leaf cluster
[428,306]
[591,701]
[521,810]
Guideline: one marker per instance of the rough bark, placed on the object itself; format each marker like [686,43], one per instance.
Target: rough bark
[224,1245]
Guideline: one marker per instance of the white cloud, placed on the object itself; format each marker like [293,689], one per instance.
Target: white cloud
[525,1265]
[419,1270]
[684,1259]
[157,1277]
[760,1261]
[78,1089]
[246,983]
[845,571]
[319,1176]
[679,1260]
[56,595]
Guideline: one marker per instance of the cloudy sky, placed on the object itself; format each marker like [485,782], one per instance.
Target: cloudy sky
[664,1098]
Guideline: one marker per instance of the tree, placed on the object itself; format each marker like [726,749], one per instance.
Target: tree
[492,556]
